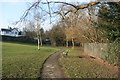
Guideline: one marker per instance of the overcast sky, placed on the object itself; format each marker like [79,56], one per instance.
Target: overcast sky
[12,10]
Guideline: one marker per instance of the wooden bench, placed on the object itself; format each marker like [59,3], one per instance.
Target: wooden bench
[65,53]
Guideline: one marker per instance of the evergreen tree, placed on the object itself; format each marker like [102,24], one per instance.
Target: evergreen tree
[109,20]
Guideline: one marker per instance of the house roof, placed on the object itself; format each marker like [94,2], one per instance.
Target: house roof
[9,29]
[5,29]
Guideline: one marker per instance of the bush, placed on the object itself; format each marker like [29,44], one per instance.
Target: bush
[23,39]
[107,51]
[113,56]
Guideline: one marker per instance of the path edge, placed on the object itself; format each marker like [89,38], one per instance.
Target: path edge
[41,69]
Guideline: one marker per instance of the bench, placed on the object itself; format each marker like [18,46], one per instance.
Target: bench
[65,53]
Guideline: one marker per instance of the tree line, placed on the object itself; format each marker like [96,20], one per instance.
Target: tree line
[95,24]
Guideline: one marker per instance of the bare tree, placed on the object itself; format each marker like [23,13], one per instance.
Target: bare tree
[38,28]
[65,16]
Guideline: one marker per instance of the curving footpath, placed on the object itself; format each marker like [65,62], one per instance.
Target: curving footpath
[51,67]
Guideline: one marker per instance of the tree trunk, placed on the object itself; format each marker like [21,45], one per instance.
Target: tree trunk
[40,40]
[73,42]
[66,43]
[82,45]
[38,44]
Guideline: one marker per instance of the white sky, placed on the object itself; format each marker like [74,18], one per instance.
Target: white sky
[44,0]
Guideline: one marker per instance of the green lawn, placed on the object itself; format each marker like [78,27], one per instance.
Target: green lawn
[22,60]
[25,61]
[76,67]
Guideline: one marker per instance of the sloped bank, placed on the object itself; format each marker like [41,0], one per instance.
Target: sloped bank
[78,65]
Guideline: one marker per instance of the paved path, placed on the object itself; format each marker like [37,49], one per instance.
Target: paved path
[51,67]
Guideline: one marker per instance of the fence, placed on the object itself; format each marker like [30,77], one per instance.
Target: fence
[106,51]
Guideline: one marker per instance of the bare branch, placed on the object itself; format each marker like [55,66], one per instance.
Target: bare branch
[36,4]
[87,5]
[78,7]
[26,12]
[49,9]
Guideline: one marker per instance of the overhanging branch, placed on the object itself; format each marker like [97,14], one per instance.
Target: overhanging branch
[34,5]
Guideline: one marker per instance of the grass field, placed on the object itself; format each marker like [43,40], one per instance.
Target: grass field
[22,60]
[25,61]
[77,65]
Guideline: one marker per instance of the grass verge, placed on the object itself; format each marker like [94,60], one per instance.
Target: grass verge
[80,66]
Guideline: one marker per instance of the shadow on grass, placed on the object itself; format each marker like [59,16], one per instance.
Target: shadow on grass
[81,57]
